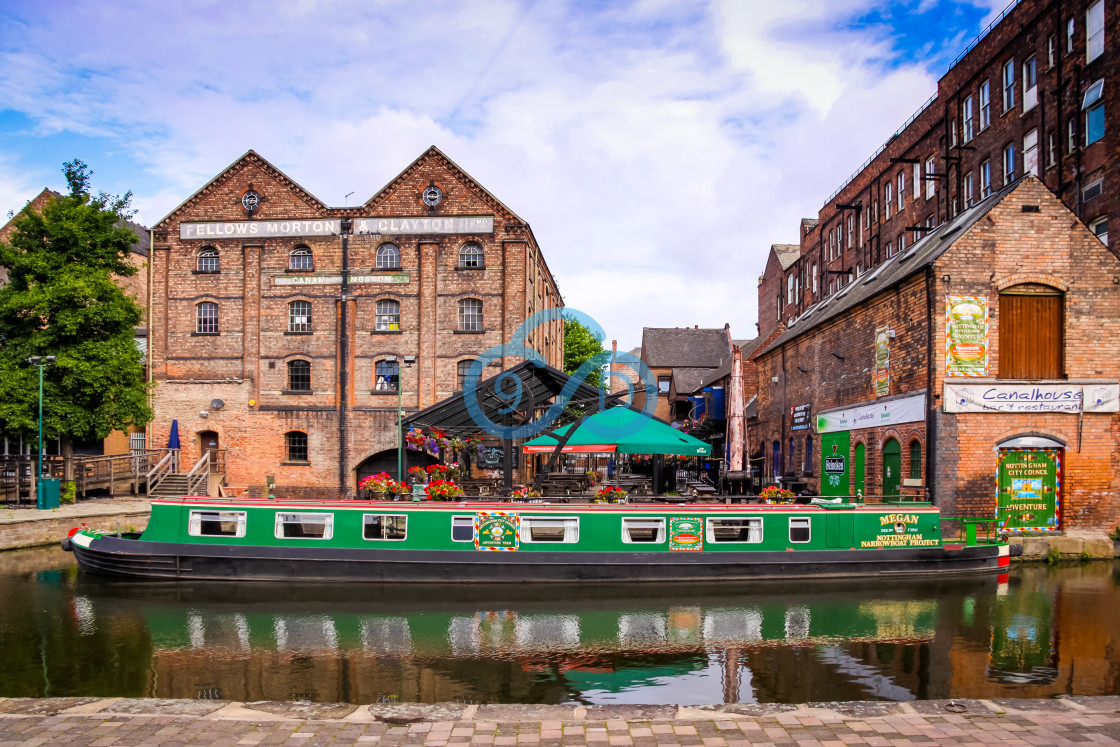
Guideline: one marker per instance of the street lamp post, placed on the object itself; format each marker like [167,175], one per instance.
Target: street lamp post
[408,361]
[41,362]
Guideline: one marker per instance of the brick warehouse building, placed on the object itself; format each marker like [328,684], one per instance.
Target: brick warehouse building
[979,366]
[281,341]
[1038,92]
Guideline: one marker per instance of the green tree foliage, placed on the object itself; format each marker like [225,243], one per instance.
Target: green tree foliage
[61,299]
[579,345]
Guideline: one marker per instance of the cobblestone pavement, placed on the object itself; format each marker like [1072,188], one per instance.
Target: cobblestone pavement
[115,721]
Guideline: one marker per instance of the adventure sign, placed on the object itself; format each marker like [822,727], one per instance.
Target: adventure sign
[497,530]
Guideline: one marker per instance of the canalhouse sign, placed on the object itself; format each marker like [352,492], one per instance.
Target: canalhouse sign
[355,279]
[270,229]
[975,396]
[891,412]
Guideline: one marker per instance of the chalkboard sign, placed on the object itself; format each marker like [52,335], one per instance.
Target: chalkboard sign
[490,458]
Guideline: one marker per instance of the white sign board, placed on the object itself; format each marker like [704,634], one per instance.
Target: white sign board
[892,412]
[337,279]
[976,396]
[270,229]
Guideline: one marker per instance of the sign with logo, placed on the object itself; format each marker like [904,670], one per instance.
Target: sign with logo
[991,397]
[266,229]
[337,279]
[893,412]
[686,533]
[834,463]
[801,417]
[497,530]
[1029,485]
[900,530]
[882,370]
[966,336]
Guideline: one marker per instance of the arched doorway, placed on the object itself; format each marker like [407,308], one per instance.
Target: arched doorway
[386,461]
[208,441]
[892,467]
[859,469]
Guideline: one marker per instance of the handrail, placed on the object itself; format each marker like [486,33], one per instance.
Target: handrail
[163,468]
[199,474]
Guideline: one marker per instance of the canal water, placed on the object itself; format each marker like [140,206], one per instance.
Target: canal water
[1034,633]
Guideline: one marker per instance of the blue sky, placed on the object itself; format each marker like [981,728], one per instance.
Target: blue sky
[657,147]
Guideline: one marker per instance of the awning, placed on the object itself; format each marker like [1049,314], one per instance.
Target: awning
[623,431]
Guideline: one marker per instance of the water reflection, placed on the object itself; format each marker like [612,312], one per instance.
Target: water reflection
[1035,633]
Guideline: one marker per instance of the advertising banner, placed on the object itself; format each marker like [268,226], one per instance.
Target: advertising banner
[992,397]
[882,368]
[686,533]
[497,530]
[800,417]
[966,336]
[834,463]
[904,410]
[1029,486]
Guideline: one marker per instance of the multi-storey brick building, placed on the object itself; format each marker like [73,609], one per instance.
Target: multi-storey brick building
[281,328]
[1038,92]
[979,366]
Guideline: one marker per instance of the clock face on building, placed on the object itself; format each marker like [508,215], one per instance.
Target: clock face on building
[432,196]
[251,200]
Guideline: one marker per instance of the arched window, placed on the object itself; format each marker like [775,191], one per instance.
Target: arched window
[388,316]
[776,461]
[463,374]
[208,260]
[386,375]
[300,259]
[470,255]
[388,257]
[299,376]
[809,455]
[206,318]
[470,315]
[915,460]
[295,446]
[792,456]
[299,316]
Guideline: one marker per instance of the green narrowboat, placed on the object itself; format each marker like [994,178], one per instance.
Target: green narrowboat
[487,542]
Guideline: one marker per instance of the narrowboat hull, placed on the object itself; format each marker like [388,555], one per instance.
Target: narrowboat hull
[117,556]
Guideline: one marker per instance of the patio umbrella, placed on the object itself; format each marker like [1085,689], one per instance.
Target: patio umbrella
[623,431]
[173,438]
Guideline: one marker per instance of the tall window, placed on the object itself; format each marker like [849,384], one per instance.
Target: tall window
[388,257]
[1070,28]
[968,194]
[1030,152]
[206,318]
[1009,163]
[299,316]
[840,239]
[915,460]
[1031,335]
[789,289]
[791,456]
[1071,136]
[208,260]
[1094,31]
[1093,106]
[985,179]
[1051,50]
[966,118]
[901,191]
[851,227]
[300,259]
[985,104]
[1051,148]
[814,277]
[388,316]
[916,178]
[470,255]
[1009,85]
[809,455]
[1099,227]
[463,374]
[930,181]
[776,461]
[953,132]
[295,446]
[386,376]
[887,201]
[299,376]
[470,315]
[1030,83]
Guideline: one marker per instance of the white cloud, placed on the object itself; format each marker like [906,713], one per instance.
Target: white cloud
[657,148]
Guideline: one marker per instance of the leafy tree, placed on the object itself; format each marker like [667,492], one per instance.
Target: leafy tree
[61,300]
[579,345]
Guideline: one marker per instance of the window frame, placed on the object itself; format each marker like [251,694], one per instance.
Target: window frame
[202,323]
[478,258]
[194,528]
[709,530]
[1009,163]
[808,525]
[378,373]
[384,250]
[985,99]
[966,120]
[291,370]
[1030,83]
[915,464]
[1071,31]
[289,456]
[293,324]
[470,525]
[888,199]
[301,252]
[207,255]
[328,532]
[469,319]
[1094,37]
[901,191]
[1093,226]
[462,373]
[931,184]
[1092,104]
[1008,79]
[383,317]
[969,195]
[569,523]
[658,537]
[365,523]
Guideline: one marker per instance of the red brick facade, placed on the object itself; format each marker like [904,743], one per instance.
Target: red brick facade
[245,364]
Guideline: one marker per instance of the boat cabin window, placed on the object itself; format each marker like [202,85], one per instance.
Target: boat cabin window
[643,530]
[799,530]
[462,528]
[217,524]
[538,529]
[384,526]
[735,530]
[305,526]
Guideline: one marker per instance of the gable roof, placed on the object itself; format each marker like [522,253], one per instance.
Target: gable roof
[249,157]
[787,254]
[689,347]
[685,381]
[895,270]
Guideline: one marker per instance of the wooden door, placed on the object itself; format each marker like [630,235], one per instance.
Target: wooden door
[1031,336]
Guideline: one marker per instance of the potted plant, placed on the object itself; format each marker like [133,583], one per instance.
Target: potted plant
[610,495]
[418,475]
[524,493]
[379,485]
[443,490]
[774,494]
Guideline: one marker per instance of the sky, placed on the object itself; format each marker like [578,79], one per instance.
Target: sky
[656,147]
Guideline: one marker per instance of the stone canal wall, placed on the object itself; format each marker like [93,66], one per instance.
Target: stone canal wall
[21,528]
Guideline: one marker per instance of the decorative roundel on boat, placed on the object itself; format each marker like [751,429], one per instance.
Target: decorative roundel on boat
[899,527]
[432,195]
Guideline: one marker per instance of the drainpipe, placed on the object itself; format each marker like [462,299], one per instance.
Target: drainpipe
[151,337]
[782,415]
[343,361]
[931,406]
